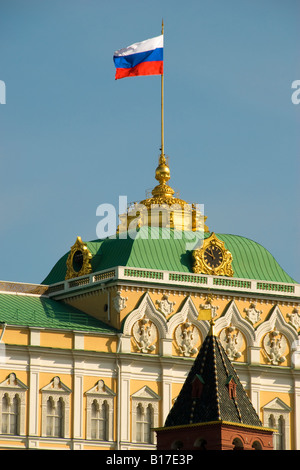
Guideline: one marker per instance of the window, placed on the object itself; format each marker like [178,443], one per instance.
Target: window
[144,415]
[256,445]
[237,444]
[144,422]
[276,415]
[100,406]
[54,418]
[12,406]
[278,424]
[10,414]
[99,418]
[177,445]
[56,409]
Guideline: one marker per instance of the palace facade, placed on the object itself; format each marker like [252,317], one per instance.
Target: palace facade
[95,356]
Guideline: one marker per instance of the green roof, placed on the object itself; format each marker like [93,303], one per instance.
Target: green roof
[165,249]
[42,312]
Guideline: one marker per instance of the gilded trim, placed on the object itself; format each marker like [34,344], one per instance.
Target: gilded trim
[85,266]
[202,267]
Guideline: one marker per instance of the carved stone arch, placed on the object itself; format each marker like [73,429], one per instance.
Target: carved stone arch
[232,316]
[146,308]
[145,312]
[188,312]
[276,321]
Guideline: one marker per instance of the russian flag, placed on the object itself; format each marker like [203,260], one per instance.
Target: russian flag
[142,58]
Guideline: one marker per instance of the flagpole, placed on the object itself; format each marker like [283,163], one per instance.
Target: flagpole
[162,154]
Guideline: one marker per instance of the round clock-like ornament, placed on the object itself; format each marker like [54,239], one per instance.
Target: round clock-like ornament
[213,256]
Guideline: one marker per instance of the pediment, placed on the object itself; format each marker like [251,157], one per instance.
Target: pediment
[56,385]
[277,405]
[101,389]
[13,383]
[145,393]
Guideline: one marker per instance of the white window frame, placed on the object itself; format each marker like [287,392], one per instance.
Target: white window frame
[277,411]
[12,387]
[100,394]
[142,399]
[56,391]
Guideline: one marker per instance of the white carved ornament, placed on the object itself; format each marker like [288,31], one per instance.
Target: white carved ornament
[252,314]
[294,318]
[232,341]
[119,302]
[275,345]
[145,335]
[165,306]
[187,337]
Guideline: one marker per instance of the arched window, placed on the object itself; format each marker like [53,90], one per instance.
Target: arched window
[177,445]
[200,444]
[56,409]
[237,444]
[10,414]
[144,418]
[55,417]
[256,445]
[276,415]
[144,415]
[12,406]
[100,412]
[99,420]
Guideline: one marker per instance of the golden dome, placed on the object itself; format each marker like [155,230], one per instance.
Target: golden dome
[163,209]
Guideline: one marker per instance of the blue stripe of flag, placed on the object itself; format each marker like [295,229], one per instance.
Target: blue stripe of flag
[128,61]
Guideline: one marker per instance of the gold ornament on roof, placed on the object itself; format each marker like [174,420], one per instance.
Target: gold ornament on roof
[213,258]
[163,209]
[79,260]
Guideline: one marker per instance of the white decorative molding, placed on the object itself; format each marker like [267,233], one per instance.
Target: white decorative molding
[145,335]
[187,313]
[187,338]
[273,412]
[10,388]
[233,317]
[145,397]
[165,306]
[146,393]
[146,308]
[119,302]
[275,346]
[56,390]
[102,395]
[173,278]
[232,341]
[252,314]
[276,321]
[294,318]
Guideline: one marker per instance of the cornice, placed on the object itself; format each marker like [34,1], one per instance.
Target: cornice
[146,278]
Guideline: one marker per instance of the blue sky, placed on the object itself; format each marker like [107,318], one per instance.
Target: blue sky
[72,138]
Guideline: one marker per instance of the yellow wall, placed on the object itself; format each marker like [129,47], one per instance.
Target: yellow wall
[56,340]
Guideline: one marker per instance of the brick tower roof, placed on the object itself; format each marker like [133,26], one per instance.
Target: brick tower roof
[212,391]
